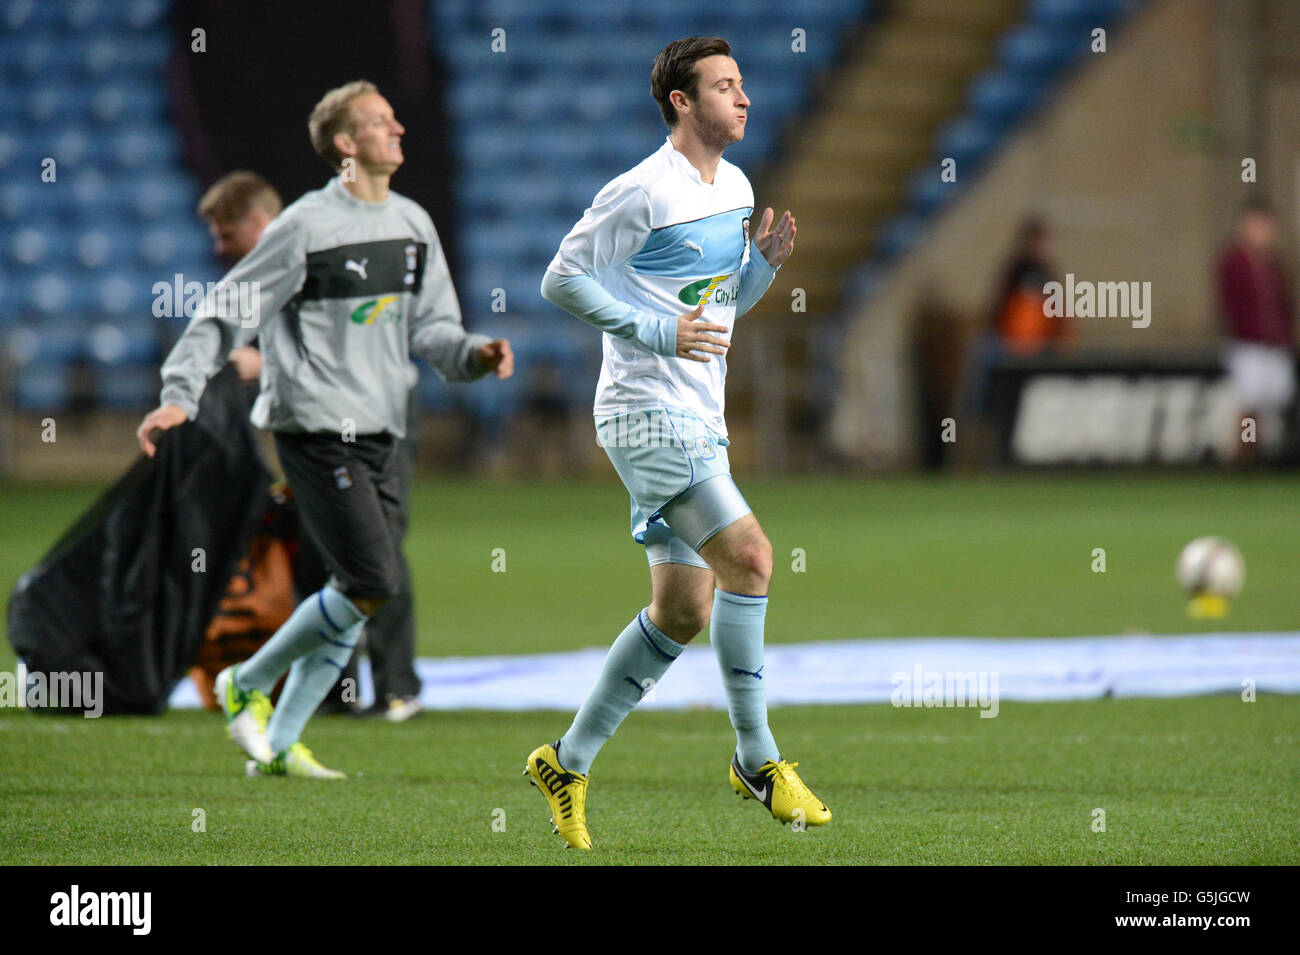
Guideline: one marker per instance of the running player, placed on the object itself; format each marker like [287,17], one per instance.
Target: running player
[674,231]
[237,208]
[340,289]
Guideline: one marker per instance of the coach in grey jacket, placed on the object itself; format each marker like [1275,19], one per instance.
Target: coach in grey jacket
[341,289]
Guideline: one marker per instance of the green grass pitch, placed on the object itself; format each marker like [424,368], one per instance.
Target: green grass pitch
[1186,781]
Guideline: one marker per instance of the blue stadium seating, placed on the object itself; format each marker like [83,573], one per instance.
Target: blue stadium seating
[1031,57]
[999,98]
[43,387]
[81,82]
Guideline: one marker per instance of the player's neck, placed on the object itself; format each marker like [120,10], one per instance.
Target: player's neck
[367,188]
[703,157]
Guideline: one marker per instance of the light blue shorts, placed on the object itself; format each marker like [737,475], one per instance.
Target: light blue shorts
[671,461]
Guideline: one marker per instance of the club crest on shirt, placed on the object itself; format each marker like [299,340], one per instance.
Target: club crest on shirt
[367,312]
[744,229]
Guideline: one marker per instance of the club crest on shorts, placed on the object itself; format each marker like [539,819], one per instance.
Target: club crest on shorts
[704,447]
[342,479]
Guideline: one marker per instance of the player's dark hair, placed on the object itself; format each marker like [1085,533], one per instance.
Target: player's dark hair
[674,69]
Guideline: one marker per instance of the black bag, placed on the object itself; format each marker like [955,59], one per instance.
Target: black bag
[122,591]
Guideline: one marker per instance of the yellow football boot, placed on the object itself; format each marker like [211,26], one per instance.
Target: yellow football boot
[565,792]
[778,787]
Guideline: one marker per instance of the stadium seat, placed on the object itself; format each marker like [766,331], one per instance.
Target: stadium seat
[19,14]
[163,195]
[43,386]
[56,340]
[53,103]
[164,244]
[928,192]
[140,101]
[1077,14]
[125,293]
[125,388]
[900,235]
[968,141]
[28,248]
[116,342]
[1038,52]
[999,98]
[142,146]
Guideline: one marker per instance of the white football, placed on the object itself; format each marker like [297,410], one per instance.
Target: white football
[1211,565]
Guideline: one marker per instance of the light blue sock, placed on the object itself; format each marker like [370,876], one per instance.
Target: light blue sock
[325,615]
[636,662]
[736,632]
[310,679]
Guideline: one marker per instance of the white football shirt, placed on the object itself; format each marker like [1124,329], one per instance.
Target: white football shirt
[660,239]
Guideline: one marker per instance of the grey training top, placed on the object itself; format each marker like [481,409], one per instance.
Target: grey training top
[345,292]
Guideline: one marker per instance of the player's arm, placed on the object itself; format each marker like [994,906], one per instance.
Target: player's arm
[437,332]
[612,231]
[774,247]
[230,316]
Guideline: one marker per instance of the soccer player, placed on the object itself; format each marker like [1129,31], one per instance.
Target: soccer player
[673,231]
[341,288]
[237,208]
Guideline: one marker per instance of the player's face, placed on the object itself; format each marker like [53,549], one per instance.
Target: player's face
[376,135]
[721,107]
[234,240]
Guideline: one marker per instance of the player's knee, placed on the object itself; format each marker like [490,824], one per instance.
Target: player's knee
[753,559]
[681,620]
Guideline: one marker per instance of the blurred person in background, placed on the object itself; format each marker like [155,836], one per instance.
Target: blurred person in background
[1017,325]
[237,208]
[1022,325]
[1255,303]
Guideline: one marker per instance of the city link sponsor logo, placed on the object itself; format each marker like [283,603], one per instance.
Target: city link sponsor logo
[229,300]
[707,291]
[655,429]
[1085,299]
[928,688]
[367,312]
[74,907]
[56,691]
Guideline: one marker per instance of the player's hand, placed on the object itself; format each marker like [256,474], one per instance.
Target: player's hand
[168,416]
[247,362]
[775,244]
[497,357]
[693,336]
